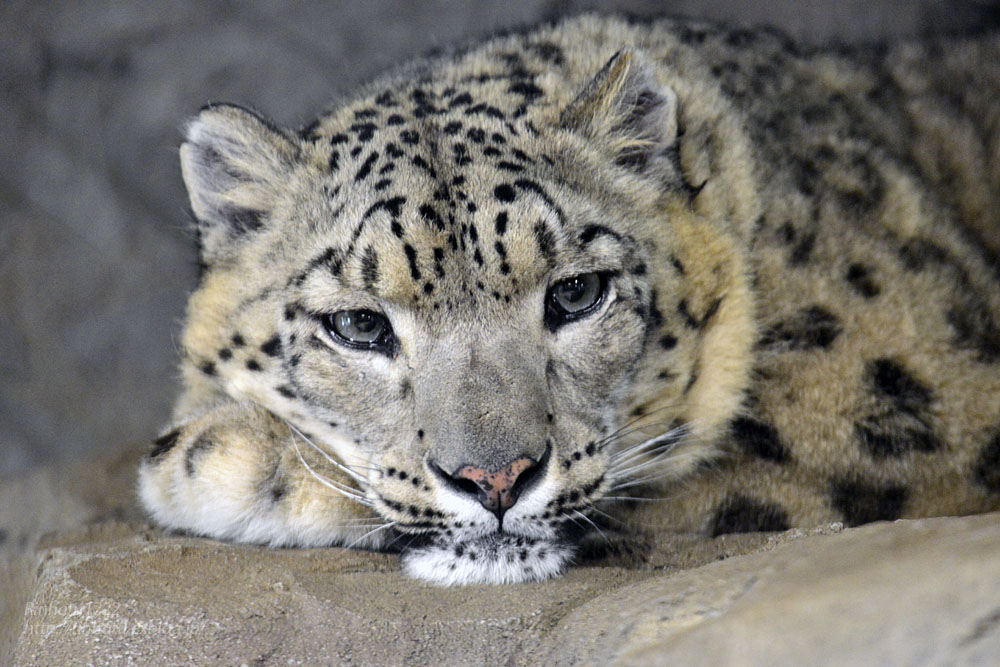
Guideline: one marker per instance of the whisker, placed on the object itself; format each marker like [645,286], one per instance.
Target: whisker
[645,455]
[334,462]
[591,522]
[642,455]
[628,430]
[639,467]
[371,532]
[627,482]
[632,498]
[345,491]
[676,434]
[640,418]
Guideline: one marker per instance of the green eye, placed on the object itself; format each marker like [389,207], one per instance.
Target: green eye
[359,328]
[574,298]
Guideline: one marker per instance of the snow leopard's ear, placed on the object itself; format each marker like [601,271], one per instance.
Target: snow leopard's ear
[234,165]
[625,108]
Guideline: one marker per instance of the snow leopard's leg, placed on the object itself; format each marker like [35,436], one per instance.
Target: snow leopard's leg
[237,472]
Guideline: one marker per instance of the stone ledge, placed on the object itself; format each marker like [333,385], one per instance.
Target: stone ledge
[909,592]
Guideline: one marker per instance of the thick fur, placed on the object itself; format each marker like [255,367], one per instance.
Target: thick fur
[799,323]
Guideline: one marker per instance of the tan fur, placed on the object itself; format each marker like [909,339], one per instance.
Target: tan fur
[799,254]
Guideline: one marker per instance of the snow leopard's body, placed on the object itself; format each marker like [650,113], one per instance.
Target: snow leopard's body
[502,293]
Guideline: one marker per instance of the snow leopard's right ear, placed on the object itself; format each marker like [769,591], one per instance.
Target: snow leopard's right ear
[234,164]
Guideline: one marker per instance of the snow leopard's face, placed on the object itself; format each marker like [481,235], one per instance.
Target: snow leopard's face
[460,302]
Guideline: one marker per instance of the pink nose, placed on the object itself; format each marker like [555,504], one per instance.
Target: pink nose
[497,488]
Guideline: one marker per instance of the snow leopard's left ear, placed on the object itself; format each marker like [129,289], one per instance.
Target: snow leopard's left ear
[235,164]
[625,108]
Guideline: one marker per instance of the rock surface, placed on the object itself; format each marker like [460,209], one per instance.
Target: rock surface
[104,588]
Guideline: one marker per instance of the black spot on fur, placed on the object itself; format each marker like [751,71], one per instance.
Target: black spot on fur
[431,217]
[918,253]
[208,368]
[590,232]
[278,491]
[253,365]
[529,90]
[859,277]
[420,162]
[504,193]
[740,514]
[812,327]
[890,379]
[366,166]
[286,391]
[898,422]
[975,329]
[393,206]
[863,502]
[369,267]
[987,467]
[548,52]
[225,354]
[164,443]
[237,340]
[243,220]
[668,342]
[202,444]
[759,439]
[545,239]
[438,258]
[887,436]
[411,257]
[786,233]
[802,250]
[272,346]
[461,100]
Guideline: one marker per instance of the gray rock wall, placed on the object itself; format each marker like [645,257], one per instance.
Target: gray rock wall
[94,258]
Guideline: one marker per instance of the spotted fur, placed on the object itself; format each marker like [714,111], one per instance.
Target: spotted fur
[798,319]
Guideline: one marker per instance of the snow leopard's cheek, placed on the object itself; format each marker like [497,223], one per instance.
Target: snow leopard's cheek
[589,367]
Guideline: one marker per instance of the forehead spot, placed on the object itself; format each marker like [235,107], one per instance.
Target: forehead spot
[504,193]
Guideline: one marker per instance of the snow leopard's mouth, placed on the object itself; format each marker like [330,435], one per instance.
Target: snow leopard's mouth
[493,558]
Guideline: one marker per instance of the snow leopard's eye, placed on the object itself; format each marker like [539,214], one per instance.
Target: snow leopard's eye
[364,329]
[574,298]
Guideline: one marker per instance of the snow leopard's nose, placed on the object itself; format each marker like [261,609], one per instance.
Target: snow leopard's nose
[496,490]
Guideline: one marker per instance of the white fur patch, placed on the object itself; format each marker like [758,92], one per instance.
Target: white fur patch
[496,558]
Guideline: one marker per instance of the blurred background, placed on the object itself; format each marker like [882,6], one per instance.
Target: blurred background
[95,257]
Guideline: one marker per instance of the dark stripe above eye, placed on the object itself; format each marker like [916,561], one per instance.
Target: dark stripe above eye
[532,186]
[590,232]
